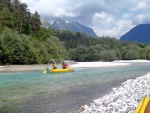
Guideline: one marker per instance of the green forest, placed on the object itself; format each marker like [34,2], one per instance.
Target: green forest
[25,39]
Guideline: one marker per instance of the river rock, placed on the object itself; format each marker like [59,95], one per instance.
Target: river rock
[123,99]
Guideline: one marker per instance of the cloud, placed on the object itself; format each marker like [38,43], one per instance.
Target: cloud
[119,29]
[141,18]
[103,19]
[142,13]
[107,17]
[142,6]
[127,16]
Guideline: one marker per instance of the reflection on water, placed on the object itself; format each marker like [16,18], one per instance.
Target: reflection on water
[57,92]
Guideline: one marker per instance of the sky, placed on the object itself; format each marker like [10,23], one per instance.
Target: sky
[106,17]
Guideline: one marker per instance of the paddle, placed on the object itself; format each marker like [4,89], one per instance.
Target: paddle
[46,68]
[45,71]
[72,70]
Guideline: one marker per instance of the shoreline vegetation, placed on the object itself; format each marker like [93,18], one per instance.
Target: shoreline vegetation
[128,93]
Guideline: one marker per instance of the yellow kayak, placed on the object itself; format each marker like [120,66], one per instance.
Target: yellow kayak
[142,105]
[61,70]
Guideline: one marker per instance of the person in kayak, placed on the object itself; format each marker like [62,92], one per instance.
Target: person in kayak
[53,63]
[64,64]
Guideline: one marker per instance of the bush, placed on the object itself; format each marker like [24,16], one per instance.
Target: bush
[131,55]
[108,56]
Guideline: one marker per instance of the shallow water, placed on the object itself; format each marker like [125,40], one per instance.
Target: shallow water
[35,92]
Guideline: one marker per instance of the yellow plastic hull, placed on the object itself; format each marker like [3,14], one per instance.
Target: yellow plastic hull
[61,70]
[142,105]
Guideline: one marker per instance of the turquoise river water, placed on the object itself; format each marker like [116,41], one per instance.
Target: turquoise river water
[35,92]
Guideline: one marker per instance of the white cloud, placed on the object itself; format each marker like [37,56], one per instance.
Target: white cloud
[106,32]
[102,18]
[142,6]
[106,17]
[31,4]
[141,18]
[127,16]
[123,26]
[120,28]
[147,2]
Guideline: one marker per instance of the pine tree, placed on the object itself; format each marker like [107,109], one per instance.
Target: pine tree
[35,21]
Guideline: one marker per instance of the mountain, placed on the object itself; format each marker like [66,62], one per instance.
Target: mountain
[140,33]
[60,24]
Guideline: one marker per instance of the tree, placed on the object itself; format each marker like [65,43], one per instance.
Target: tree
[55,48]
[108,55]
[35,22]
[15,3]
[98,48]
[23,18]
[42,51]
[130,47]
[90,53]
[147,52]
[131,55]
[17,49]
[7,18]
[118,54]
[9,43]
[72,54]
[1,27]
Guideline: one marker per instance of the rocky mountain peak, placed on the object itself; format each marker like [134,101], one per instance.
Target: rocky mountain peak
[60,24]
[59,21]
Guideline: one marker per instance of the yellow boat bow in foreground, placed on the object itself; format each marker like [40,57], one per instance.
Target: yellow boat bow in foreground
[143,106]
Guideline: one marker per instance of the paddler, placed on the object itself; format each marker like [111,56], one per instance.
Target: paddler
[53,63]
[64,64]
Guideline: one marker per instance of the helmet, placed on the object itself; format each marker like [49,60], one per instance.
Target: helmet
[52,60]
[63,61]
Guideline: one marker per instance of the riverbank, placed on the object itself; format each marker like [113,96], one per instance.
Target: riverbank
[100,64]
[41,67]
[107,64]
[122,99]
[36,67]
[9,68]
[17,68]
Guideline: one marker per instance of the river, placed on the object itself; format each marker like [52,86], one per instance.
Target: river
[35,92]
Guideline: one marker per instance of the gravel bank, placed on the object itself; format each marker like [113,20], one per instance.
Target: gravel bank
[123,99]
[40,67]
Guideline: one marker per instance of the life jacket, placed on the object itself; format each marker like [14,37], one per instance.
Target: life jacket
[64,64]
[54,65]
